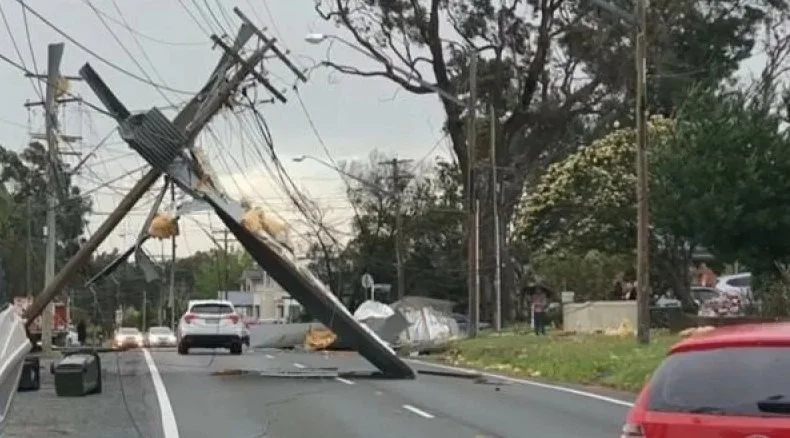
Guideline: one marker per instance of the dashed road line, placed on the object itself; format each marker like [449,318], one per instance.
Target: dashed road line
[269,356]
[298,365]
[418,411]
[342,380]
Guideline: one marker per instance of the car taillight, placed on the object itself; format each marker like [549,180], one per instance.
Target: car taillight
[632,431]
[189,317]
[233,318]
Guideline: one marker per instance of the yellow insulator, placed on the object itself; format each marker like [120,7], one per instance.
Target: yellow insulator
[163,226]
[62,87]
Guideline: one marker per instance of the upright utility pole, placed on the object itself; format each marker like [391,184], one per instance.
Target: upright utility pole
[471,155]
[497,250]
[399,186]
[642,194]
[190,121]
[29,251]
[50,103]
[171,301]
[225,274]
[54,56]
[144,310]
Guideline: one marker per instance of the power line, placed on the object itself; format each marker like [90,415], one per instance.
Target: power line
[211,12]
[320,139]
[19,53]
[142,35]
[128,53]
[203,15]
[30,47]
[192,16]
[97,56]
[33,74]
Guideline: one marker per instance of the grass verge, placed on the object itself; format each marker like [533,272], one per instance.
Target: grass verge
[609,361]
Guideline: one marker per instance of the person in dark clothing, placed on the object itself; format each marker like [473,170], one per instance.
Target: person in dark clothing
[82,332]
[539,307]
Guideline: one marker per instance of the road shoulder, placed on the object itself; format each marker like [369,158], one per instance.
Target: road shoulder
[623,398]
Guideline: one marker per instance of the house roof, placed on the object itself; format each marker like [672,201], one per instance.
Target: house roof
[237,297]
[252,273]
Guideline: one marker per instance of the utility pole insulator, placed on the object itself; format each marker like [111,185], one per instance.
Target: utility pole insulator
[188,123]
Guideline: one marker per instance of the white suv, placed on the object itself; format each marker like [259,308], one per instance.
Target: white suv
[210,324]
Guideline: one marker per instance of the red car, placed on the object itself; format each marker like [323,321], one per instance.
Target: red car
[731,382]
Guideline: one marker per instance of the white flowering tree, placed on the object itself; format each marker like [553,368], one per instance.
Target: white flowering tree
[718,178]
[588,202]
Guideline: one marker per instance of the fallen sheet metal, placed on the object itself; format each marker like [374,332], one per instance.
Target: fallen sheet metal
[305,373]
[316,298]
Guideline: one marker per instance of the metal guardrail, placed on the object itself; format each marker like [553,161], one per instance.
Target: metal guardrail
[14,345]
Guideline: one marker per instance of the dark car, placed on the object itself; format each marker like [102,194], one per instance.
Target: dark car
[463,322]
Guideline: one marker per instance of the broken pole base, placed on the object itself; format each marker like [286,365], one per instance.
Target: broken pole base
[319,303]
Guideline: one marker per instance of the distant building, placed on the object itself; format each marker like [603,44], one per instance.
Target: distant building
[262,298]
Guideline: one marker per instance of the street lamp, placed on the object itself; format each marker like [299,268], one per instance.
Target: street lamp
[302,158]
[469,105]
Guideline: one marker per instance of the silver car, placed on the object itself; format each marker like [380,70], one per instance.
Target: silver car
[160,337]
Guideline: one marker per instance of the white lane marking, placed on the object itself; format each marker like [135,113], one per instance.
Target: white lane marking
[342,380]
[419,412]
[269,356]
[591,395]
[169,425]
[298,365]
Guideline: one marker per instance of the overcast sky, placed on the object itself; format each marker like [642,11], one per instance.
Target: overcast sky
[353,116]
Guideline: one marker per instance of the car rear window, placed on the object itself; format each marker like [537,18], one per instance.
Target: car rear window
[128,331]
[159,330]
[726,381]
[740,282]
[212,309]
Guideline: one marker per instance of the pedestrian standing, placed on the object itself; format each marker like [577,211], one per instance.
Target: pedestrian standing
[81,332]
[539,305]
[707,277]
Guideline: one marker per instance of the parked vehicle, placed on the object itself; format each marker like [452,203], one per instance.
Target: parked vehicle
[60,325]
[702,294]
[127,337]
[160,337]
[740,284]
[726,382]
[463,323]
[210,324]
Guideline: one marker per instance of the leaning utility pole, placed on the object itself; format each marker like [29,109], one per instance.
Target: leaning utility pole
[497,250]
[231,71]
[51,101]
[642,194]
[471,230]
[398,187]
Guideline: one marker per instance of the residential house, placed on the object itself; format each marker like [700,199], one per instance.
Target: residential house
[263,297]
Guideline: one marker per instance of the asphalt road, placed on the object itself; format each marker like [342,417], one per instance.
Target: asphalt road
[184,396]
